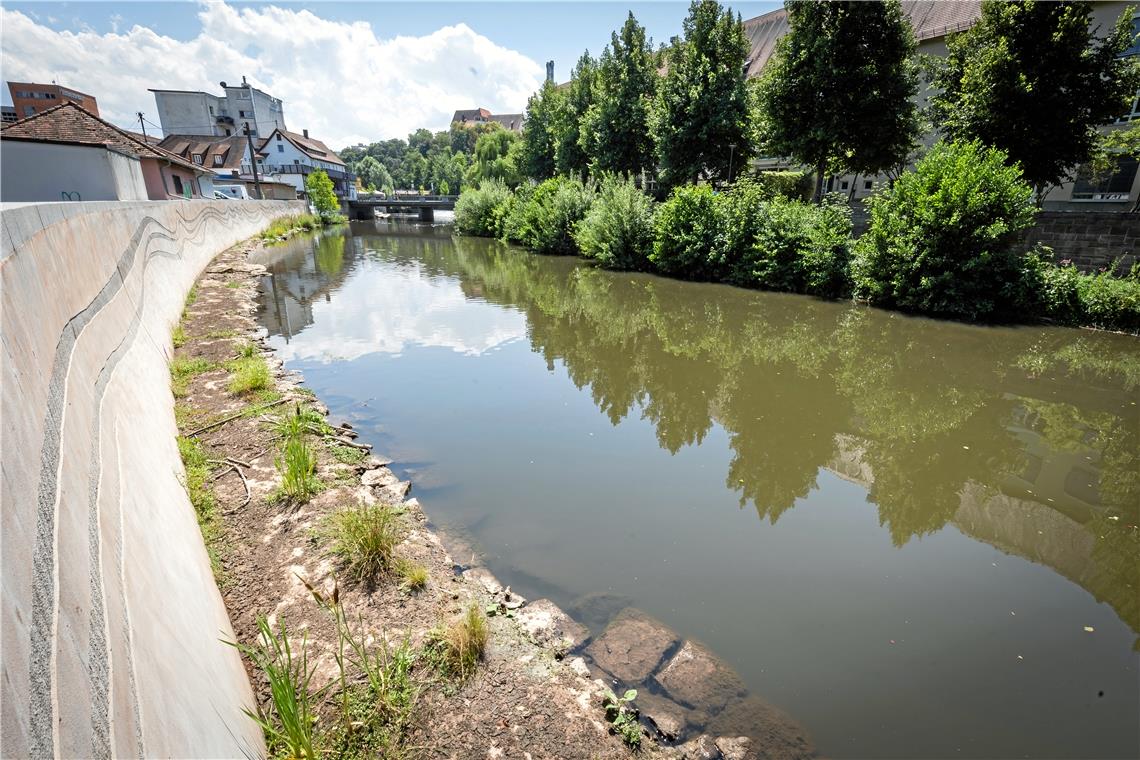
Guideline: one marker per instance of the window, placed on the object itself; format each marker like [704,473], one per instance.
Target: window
[29,110]
[211,110]
[49,95]
[278,137]
[1113,186]
[844,185]
[1135,49]
[280,148]
[867,185]
[218,160]
[177,184]
[198,158]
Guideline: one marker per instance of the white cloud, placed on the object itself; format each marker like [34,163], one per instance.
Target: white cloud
[340,80]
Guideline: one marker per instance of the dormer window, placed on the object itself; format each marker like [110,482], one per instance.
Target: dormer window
[218,160]
[198,158]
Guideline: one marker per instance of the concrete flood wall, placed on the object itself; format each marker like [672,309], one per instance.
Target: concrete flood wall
[113,627]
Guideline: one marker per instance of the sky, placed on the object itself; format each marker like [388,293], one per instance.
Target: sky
[349,72]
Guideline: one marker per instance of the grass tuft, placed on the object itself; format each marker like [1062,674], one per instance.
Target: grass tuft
[460,646]
[196,463]
[413,575]
[183,370]
[363,538]
[348,454]
[291,726]
[178,336]
[298,470]
[248,374]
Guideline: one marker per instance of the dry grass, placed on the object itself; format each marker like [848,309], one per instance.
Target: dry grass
[461,646]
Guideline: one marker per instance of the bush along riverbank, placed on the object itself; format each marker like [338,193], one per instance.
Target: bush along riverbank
[362,635]
[942,241]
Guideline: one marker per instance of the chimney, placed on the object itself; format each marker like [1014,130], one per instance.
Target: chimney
[305,132]
[550,71]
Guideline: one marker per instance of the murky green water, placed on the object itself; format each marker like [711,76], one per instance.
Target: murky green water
[895,529]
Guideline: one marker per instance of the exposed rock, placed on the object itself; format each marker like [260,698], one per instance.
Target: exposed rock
[701,748]
[578,665]
[550,627]
[698,678]
[394,493]
[735,748]
[668,718]
[373,461]
[774,734]
[632,646]
[483,577]
[379,478]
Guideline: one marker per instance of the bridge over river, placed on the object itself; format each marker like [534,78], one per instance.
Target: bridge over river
[365,207]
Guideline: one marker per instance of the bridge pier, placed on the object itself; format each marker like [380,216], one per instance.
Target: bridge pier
[427,214]
[362,213]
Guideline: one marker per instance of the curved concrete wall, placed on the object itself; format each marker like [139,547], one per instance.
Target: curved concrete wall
[112,623]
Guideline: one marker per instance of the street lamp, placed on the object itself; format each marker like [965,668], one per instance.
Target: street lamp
[731,151]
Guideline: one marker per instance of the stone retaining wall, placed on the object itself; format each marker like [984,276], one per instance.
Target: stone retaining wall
[112,623]
[1091,240]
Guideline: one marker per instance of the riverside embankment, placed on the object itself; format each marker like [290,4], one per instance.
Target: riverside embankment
[112,623]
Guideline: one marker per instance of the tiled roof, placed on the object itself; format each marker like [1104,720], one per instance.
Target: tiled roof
[930,19]
[471,114]
[68,123]
[233,150]
[312,148]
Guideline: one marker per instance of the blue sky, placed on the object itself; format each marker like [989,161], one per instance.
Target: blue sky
[493,54]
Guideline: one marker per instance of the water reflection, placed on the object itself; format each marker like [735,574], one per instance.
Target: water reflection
[1025,439]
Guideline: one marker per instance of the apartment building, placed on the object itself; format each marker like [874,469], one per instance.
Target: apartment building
[30,98]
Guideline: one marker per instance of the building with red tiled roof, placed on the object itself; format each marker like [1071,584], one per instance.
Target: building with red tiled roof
[511,121]
[68,153]
[290,157]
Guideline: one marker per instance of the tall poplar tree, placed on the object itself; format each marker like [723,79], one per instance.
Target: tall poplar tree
[544,112]
[1035,80]
[840,88]
[700,114]
[569,156]
[615,131]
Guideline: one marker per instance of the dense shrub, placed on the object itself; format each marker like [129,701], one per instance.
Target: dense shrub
[617,231]
[1065,295]
[479,210]
[688,228]
[940,241]
[796,186]
[741,214]
[544,219]
[799,247]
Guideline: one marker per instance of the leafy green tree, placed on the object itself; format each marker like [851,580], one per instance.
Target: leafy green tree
[700,114]
[839,90]
[1034,80]
[464,136]
[320,190]
[540,135]
[569,156]
[615,132]
[373,173]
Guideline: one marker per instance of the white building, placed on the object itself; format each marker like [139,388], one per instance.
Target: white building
[185,112]
[290,157]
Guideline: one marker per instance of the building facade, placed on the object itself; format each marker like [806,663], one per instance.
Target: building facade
[511,121]
[29,98]
[67,154]
[290,157]
[185,112]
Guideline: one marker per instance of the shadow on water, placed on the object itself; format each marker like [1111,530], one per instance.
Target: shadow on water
[1025,439]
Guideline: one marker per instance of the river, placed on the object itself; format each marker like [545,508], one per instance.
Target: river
[916,537]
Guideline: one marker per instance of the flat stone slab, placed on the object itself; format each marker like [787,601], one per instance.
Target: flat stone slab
[696,677]
[668,718]
[774,734]
[379,478]
[550,627]
[632,646]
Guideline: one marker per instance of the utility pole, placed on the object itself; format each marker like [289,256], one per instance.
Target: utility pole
[253,162]
[143,125]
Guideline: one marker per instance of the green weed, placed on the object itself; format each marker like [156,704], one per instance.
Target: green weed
[197,466]
[363,538]
[290,728]
[297,466]
[459,647]
[178,336]
[248,374]
[183,370]
[414,576]
[622,716]
[348,454]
